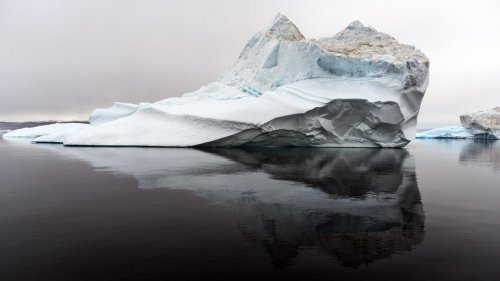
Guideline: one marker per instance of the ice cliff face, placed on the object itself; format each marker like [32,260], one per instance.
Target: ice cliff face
[483,124]
[357,88]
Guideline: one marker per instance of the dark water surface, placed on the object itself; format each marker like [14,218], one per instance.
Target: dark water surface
[428,212]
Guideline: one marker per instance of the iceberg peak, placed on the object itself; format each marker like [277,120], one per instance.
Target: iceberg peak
[356,36]
[365,42]
[358,25]
[282,28]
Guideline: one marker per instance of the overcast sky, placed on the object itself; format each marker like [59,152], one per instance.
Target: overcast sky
[59,59]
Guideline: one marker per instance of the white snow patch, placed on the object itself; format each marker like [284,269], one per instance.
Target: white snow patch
[47,133]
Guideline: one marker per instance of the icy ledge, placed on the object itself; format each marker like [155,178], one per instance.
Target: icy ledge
[358,88]
[55,133]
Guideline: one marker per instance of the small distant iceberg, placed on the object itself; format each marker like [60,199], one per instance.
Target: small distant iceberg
[449,132]
[483,124]
[477,125]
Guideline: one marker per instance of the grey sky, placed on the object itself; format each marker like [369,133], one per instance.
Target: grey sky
[60,59]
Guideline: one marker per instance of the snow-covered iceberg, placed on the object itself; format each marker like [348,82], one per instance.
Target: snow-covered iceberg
[358,88]
[483,124]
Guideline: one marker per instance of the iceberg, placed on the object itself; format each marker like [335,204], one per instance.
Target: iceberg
[450,132]
[358,88]
[483,124]
[478,125]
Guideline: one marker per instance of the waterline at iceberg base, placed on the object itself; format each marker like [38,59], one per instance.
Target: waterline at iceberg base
[358,88]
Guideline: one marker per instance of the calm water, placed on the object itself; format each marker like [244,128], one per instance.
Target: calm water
[428,212]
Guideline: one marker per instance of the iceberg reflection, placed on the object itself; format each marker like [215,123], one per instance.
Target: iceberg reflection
[482,153]
[374,207]
[357,205]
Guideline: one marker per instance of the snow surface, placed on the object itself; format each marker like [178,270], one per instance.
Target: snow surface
[359,87]
[117,111]
[52,133]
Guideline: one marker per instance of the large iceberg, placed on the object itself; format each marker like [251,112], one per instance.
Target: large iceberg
[483,124]
[358,88]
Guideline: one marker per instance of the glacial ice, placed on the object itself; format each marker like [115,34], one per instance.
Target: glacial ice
[450,132]
[483,124]
[358,88]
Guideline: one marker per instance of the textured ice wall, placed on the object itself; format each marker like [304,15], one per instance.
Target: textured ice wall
[359,87]
[344,122]
[358,53]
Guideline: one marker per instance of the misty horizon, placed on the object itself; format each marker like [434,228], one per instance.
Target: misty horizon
[62,60]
